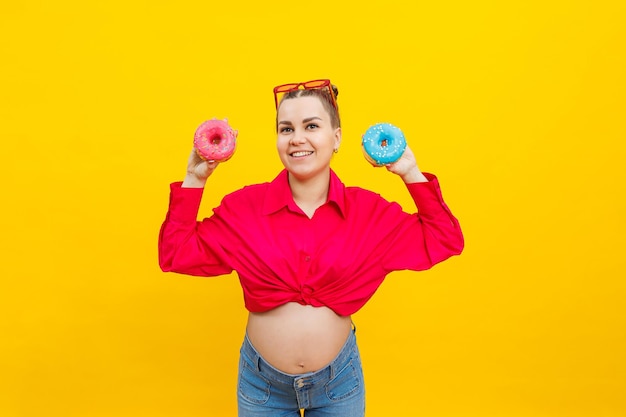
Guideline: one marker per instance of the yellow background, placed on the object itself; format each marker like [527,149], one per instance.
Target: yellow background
[518,107]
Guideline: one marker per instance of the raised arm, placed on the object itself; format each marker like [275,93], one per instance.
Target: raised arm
[429,236]
[186,245]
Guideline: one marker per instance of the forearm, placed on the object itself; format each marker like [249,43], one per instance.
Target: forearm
[184,243]
[443,235]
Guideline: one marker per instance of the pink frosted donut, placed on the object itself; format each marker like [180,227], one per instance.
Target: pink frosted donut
[215,140]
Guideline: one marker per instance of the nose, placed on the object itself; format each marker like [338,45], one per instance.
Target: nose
[298,137]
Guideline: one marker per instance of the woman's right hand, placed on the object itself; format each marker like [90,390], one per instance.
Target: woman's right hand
[198,170]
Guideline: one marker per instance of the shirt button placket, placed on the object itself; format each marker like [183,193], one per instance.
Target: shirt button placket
[304,266]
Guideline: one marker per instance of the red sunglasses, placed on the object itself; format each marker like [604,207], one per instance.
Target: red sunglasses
[307,85]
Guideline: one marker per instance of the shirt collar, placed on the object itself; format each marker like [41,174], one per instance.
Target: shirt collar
[279,194]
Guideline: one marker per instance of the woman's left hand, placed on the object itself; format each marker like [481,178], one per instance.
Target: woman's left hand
[406,168]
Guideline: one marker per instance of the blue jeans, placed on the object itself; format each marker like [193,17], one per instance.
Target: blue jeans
[334,391]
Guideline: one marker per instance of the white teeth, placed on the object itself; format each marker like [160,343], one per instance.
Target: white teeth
[301,153]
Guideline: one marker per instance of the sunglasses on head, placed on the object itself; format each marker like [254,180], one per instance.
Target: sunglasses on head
[307,85]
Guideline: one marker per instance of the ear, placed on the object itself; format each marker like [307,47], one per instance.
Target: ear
[337,137]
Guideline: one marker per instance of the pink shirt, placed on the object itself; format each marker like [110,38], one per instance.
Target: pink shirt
[336,259]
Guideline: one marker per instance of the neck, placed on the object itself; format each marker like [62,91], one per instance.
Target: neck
[309,194]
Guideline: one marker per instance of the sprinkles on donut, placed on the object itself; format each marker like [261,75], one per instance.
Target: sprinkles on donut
[383,144]
[215,140]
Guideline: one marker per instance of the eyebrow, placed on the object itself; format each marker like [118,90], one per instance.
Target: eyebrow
[307,120]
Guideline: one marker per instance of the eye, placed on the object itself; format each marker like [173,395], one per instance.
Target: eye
[285,129]
[312,126]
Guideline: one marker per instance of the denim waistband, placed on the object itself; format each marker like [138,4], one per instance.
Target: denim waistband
[326,373]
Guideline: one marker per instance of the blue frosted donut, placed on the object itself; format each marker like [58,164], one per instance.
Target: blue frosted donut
[383,144]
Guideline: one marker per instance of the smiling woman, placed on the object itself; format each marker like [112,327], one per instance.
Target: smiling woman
[309,252]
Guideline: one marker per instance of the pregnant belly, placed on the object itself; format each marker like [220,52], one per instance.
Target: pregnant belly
[297,339]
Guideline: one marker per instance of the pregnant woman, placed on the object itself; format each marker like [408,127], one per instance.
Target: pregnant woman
[309,252]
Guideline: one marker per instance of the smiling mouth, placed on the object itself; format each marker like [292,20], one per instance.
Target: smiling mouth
[300,154]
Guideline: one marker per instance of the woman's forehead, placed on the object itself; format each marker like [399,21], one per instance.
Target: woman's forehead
[302,107]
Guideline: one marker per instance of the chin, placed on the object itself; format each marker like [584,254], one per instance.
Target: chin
[303,174]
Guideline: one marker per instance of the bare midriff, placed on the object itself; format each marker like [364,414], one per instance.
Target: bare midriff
[296,338]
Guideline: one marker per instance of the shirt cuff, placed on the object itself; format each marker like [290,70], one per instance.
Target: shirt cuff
[427,195]
[184,202]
